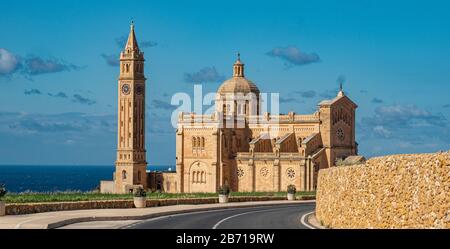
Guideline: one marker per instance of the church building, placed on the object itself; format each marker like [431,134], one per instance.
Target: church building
[236,145]
[258,151]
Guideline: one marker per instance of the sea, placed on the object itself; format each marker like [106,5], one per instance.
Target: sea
[38,178]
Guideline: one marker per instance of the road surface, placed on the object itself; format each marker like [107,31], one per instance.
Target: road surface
[287,216]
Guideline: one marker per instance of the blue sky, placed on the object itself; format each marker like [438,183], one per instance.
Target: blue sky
[58,78]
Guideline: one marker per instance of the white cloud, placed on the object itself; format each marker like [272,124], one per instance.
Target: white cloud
[206,74]
[8,62]
[293,56]
[381,131]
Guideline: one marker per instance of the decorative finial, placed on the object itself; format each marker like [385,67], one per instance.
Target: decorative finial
[238,67]
[341,91]
[341,80]
[132,24]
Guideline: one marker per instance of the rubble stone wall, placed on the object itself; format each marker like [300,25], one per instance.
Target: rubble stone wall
[398,191]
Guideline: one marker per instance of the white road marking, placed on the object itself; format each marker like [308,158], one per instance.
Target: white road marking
[236,215]
[302,220]
[187,213]
[23,222]
[208,211]
[173,215]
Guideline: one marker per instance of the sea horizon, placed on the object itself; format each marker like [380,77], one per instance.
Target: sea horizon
[53,178]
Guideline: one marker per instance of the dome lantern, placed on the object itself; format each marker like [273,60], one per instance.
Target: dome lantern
[238,83]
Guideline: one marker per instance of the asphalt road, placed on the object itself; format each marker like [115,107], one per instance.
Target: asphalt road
[266,217]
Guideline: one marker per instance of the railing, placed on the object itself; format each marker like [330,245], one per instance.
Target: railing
[196,118]
[253,119]
[268,118]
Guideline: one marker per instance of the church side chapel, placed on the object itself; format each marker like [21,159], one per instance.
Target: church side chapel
[236,145]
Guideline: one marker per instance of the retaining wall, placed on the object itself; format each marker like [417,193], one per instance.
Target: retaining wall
[398,191]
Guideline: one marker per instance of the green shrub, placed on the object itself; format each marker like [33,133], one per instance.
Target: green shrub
[2,191]
[339,162]
[72,196]
[140,192]
[291,189]
[224,190]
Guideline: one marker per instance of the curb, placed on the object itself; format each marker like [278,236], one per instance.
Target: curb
[42,207]
[311,219]
[154,215]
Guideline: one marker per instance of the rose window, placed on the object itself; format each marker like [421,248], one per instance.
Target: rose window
[240,172]
[290,172]
[264,172]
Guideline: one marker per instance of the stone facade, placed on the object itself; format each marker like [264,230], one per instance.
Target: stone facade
[252,151]
[399,191]
[236,145]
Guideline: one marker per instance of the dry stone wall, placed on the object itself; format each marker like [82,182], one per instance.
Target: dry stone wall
[398,191]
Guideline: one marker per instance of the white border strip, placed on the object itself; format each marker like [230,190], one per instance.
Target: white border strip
[302,220]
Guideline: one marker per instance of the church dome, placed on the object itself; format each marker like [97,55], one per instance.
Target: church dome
[238,83]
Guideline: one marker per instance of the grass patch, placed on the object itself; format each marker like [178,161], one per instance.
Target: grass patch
[72,196]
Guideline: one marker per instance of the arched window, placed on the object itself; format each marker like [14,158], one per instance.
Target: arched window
[139,176]
[203,143]
[202,176]
[194,142]
[193,176]
[128,68]
[124,175]
[198,142]
[246,107]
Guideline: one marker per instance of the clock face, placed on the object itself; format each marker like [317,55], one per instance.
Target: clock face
[340,134]
[125,89]
[139,89]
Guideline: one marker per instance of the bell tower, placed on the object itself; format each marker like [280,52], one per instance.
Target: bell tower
[131,161]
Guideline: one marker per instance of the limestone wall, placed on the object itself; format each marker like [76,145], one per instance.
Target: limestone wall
[399,191]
